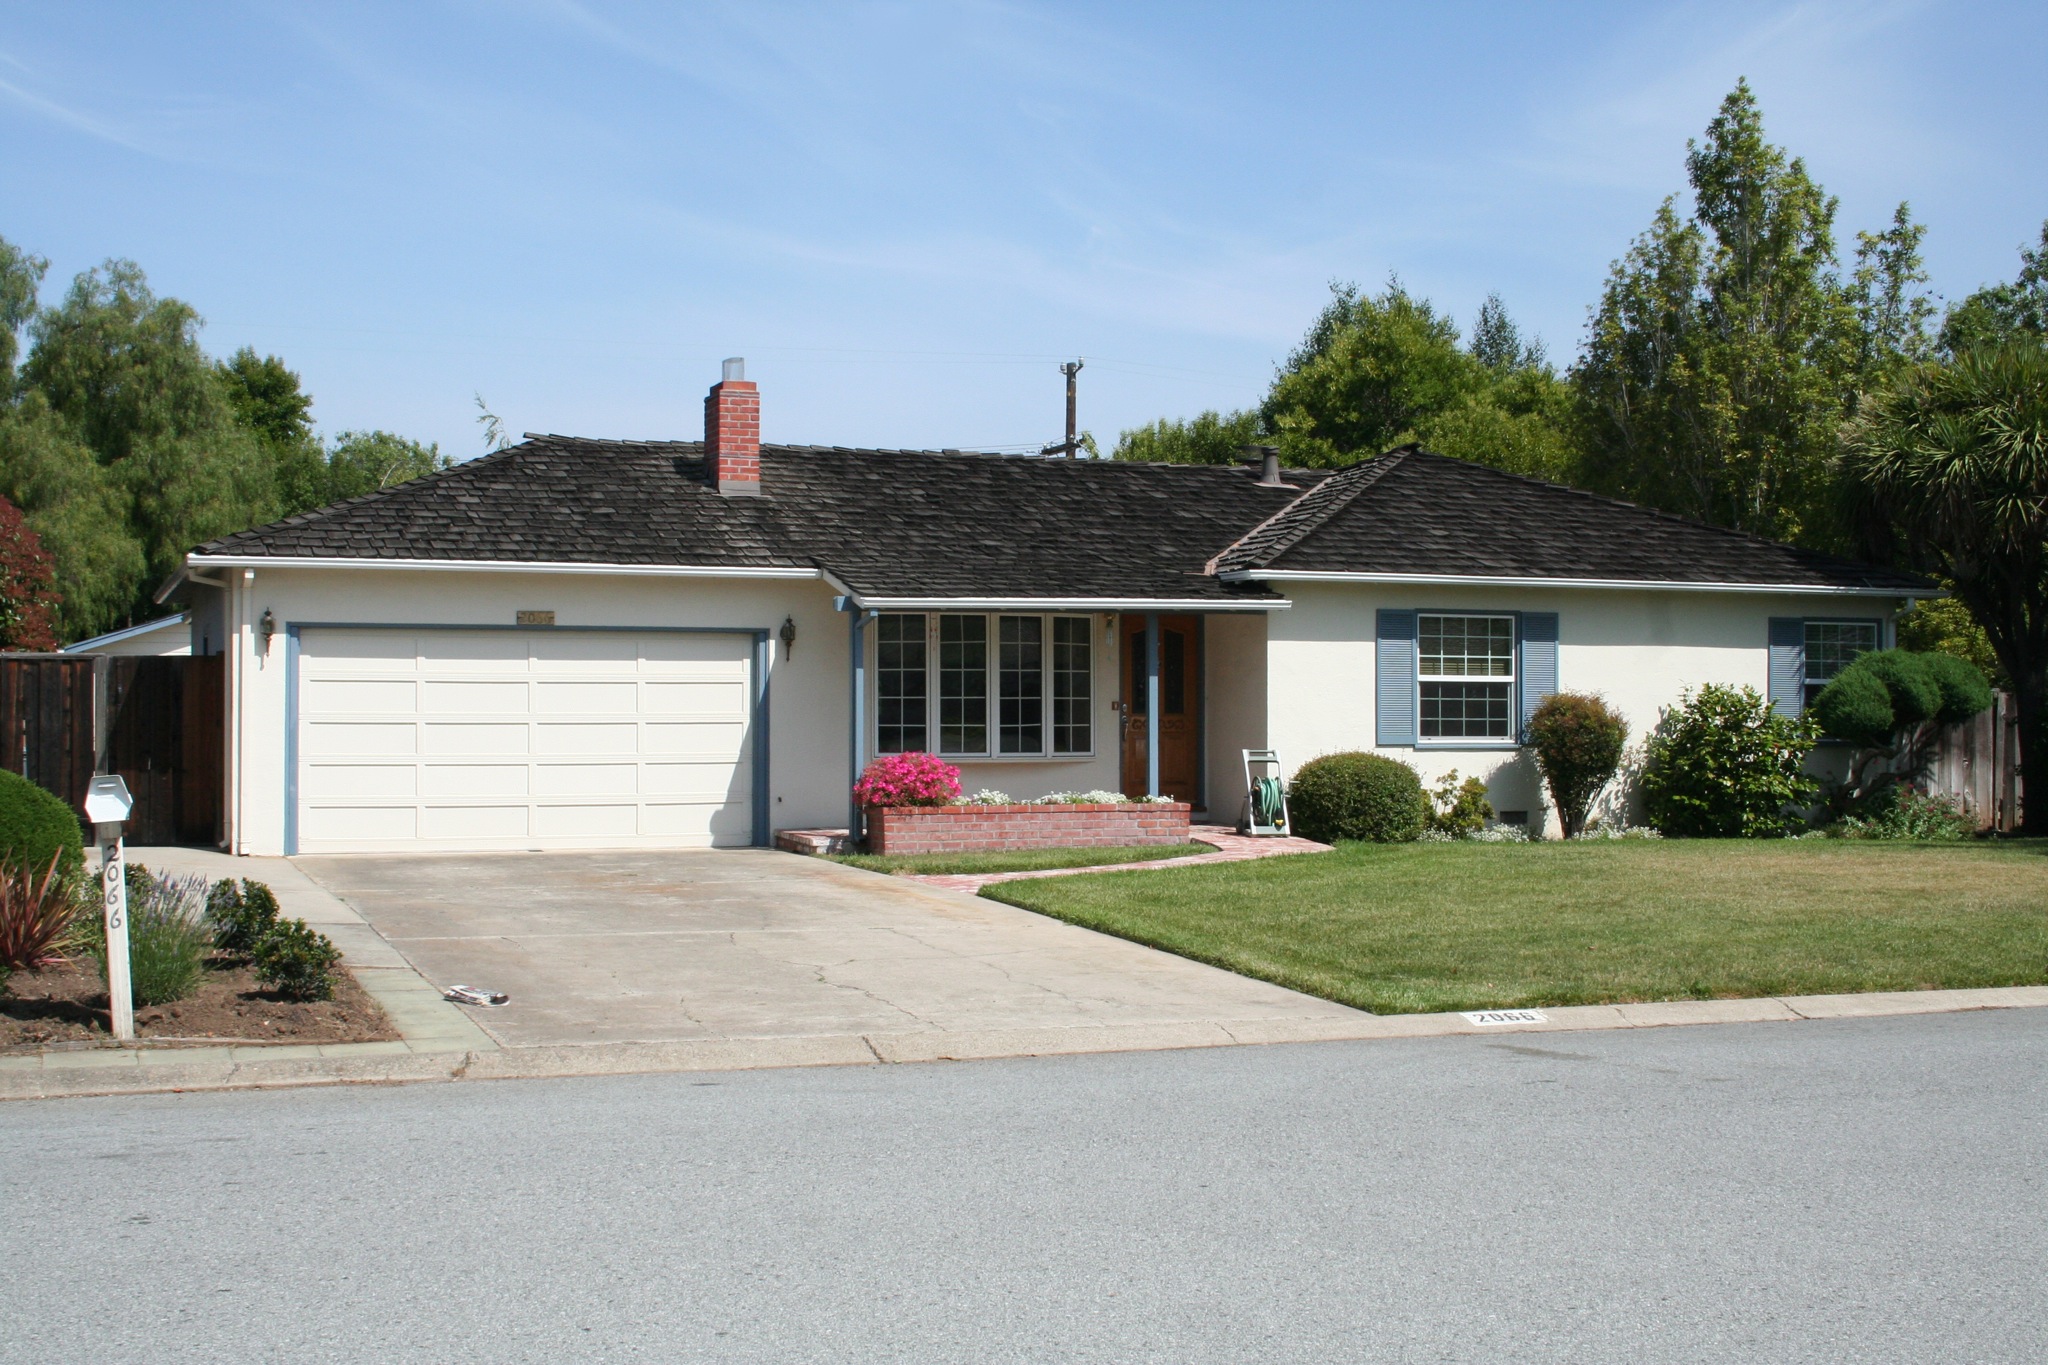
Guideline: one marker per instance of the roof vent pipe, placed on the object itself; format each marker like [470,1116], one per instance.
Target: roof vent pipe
[1267,460]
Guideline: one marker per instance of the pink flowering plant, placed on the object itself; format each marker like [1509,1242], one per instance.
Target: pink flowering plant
[913,779]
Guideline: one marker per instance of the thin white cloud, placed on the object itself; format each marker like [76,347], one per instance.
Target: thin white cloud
[71,118]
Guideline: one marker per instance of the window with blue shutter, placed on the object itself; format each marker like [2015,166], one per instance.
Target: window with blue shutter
[1539,661]
[1788,664]
[1394,670]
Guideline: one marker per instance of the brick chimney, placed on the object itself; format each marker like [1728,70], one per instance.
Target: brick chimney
[732,433]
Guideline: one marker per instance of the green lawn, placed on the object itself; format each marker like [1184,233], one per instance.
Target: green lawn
[1020,860]
[1424,927]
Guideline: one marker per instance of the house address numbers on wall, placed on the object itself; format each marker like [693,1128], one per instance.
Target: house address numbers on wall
[534,618]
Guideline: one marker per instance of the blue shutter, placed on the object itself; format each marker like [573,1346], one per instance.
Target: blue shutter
[1539,661]
[1394,670]
[1788,665]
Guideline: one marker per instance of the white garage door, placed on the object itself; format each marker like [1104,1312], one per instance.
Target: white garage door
[488,739]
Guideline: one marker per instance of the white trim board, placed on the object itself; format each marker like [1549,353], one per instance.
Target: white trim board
[1627,584]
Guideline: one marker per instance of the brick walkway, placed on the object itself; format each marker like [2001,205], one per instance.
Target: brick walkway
[1231,847]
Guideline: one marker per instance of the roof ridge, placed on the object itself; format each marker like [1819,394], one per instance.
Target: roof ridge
[1338,490]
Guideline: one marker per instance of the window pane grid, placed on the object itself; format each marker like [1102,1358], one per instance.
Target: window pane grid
[1020,684]
[902,680]
[1072,684]
[1473,647]
[1830,646]
[963,684]
[1467,646]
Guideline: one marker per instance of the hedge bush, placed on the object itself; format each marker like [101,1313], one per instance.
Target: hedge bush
[1724,764]
[1357,796]
[35,825]
[296,961]
[240,915]
[1578,743]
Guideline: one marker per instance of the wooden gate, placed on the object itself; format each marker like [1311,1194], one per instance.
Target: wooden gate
[164,738]
[46,721]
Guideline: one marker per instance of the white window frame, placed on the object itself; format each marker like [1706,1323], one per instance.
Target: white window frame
[1809,686]
[1048,682]
[1512,681]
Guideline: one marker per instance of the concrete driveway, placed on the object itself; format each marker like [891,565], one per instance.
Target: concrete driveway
[750,944]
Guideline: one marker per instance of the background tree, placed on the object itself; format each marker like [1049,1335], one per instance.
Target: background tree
[1950,473]
[364,461]
[27,602]
[1891,302]
[2002,313]
[21,276]
[1210,438]
[1718,365]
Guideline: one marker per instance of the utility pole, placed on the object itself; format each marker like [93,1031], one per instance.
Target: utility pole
[1069,447]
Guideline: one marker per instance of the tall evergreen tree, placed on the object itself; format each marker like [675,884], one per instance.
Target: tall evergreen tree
[1721,358]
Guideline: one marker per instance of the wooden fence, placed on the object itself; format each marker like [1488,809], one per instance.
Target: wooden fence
[156,721]
[1977,763]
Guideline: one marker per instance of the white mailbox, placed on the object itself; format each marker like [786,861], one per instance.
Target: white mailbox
[107,801]
[107,804]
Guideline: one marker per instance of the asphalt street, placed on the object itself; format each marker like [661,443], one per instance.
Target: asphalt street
[1843,1191]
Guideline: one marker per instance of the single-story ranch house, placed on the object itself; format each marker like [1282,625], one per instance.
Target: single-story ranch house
[592,643]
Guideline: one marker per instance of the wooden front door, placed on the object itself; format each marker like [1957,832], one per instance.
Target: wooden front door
[1180,710]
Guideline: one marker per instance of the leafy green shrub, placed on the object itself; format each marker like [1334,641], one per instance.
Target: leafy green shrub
[1459,810]
[1357,796]
[35,826]
[1724,764]
[36,913]
[167,937]
[296,961]
[1892,705]
[1903,812]
[1856,707]
[240,915]
[1965,691]
[1578,744]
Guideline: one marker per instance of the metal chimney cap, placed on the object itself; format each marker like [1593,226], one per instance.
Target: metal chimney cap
[735,369]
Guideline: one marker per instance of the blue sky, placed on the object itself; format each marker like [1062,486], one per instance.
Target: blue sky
[904,215]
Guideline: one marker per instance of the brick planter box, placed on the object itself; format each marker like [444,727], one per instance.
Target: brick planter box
[989,829]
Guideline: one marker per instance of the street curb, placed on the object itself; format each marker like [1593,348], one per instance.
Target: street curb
[128,1071]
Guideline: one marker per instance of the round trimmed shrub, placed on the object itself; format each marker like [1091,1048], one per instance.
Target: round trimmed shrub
[34,825]
[1724,765]
[1965,691]
[1916,696]
[1357,796]
[1856,706]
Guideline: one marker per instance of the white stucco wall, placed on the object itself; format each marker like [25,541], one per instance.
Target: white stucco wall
[809,693]
[1638,650]
[1235,664]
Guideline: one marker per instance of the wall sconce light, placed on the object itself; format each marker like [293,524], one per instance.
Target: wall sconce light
[268,625]
[788,634]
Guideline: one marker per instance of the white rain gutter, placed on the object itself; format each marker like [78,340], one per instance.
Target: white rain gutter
[493,566]
[1504,581]
[1089,604]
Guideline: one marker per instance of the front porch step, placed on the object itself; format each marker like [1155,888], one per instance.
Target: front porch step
[816,842]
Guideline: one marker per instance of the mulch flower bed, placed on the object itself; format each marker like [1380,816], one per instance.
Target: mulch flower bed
[66,1003]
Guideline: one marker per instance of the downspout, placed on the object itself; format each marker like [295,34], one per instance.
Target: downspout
[1151,703]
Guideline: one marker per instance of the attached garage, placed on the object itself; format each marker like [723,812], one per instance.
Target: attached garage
[458,739]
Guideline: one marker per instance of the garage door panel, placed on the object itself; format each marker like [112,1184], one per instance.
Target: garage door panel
[361,779]
[585,698]
[708,698]
[585,653]
[473,779]
[374,826]
[710,780]
[368,651]
[500,739]
[456,737]
[620,821]
[479,824]
[586,779]
[707,739]
[586,737]
[473,697]
[318,738]
[362,696]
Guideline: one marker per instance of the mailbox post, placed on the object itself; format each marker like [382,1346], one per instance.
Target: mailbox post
[107,804]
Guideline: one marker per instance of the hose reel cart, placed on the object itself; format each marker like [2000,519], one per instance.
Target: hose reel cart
[1265,795]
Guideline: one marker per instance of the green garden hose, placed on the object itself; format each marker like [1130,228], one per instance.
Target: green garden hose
[1269,805]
